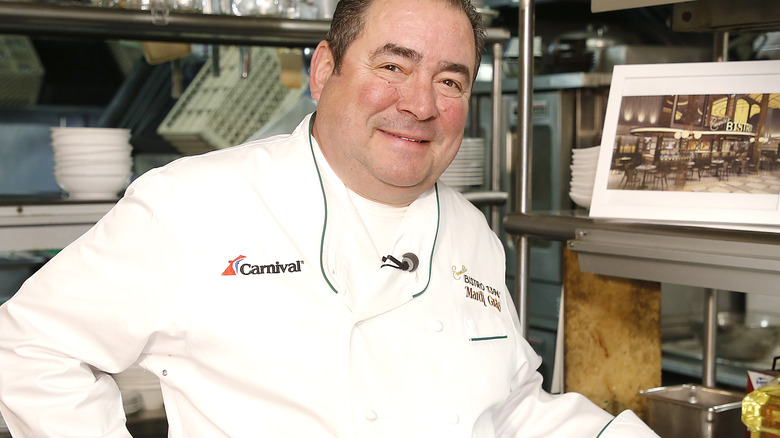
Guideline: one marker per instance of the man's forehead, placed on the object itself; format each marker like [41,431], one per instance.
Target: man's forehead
[394,43]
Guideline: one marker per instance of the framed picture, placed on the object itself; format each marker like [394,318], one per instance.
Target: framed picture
[694,142]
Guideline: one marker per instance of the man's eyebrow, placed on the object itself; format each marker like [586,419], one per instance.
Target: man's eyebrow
[455,67]
[395,49]
[415,56]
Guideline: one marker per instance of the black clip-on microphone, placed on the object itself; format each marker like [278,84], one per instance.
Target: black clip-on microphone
[408,262]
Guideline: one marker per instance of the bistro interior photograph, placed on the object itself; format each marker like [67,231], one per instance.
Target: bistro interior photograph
[699,143]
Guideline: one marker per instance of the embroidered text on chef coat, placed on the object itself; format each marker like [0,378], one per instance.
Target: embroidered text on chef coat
[239,266]
[477,290]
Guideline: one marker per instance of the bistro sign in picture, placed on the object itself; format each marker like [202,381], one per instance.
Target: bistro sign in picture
[692,142]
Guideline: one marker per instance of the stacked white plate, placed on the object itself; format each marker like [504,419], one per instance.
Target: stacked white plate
[92,163]
[583,174]
[136,381]
[132,402]
[468,166]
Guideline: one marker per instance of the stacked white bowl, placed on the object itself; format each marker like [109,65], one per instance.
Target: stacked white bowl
[137,381]
[583,174]
[468,166]
[92,163]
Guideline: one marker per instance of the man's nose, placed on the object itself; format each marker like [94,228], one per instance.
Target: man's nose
[418,98]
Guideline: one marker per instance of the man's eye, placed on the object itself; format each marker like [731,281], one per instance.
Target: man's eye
[452,84]
[392,67]
[451,88]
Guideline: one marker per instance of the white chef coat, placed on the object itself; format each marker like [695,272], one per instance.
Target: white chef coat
[246,282]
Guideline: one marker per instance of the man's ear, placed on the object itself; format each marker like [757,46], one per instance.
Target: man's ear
[322,65]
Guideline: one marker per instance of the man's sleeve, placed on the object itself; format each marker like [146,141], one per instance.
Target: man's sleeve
[85,313]
[529,411]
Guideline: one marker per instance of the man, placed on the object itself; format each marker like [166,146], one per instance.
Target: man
[319,284]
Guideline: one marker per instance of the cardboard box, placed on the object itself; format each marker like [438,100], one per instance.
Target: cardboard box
[759,378]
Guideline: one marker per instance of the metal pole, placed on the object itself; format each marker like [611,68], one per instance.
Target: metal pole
[710,337]
[720,53]
[495,173]
[524,140]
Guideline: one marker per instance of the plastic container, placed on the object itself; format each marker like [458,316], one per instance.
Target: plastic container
[688,410]
[216,112]
[21,71]
[761,410]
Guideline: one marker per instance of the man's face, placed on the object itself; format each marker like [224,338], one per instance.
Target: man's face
[392,120]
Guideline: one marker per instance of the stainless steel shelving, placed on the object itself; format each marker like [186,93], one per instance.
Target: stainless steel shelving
[697,256]
[28,224]
[718,258]
[79,20]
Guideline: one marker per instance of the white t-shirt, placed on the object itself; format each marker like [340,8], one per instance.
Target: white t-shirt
[381,220]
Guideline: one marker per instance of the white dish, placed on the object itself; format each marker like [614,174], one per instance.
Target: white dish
[586,173]
[585,151]
[581,200]
[92,186]
[582,168]
[583,183]
[93,168]
[81,130]
[93,155]
[72,160]
[64,137]
[585,160]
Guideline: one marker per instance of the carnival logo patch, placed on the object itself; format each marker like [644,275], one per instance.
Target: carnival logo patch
[239,266]
[233,265]
[477,290]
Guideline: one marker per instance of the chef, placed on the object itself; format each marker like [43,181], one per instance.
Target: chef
[316,284]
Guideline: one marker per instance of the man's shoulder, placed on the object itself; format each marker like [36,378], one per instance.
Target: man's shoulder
[457,209]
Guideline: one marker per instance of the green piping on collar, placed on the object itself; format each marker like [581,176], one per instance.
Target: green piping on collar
[324,202]
[325,220]
[605,427]
[433,247]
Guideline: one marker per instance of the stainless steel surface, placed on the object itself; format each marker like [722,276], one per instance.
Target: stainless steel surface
[560,81]
[726,15]
[709,366]
[493,198]
[708,369]
[646,54]
[495,173]
[741,336]
[684,358]
[686,411]
[88,21]
[735,260]
[109,23]
[720,47]
[25,225]
[524,136]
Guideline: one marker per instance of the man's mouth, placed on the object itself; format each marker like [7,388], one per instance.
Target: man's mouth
[416,140]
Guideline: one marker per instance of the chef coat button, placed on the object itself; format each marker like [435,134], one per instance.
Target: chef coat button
[453,418]
[437,326]
[370,415]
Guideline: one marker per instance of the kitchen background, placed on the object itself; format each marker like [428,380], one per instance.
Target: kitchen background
[78,81]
